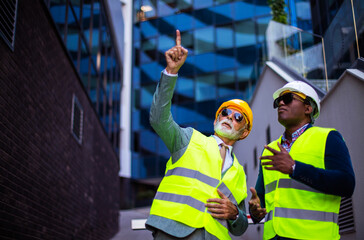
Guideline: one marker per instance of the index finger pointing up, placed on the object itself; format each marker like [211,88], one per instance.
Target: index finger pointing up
[178,38]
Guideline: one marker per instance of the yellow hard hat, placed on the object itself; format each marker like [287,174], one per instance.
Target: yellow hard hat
[242,107]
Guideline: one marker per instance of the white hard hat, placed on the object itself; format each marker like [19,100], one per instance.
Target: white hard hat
[299,86]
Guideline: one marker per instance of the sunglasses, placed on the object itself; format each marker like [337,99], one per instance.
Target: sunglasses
[238,116]
[287,99]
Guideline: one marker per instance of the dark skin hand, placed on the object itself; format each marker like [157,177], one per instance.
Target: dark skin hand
[280,160]
[254,205]
[222,208]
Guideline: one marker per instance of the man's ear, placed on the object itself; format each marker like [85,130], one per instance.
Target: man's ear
[215,121]
[244,134]
[308,109]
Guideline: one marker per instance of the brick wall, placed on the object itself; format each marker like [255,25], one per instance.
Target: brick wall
[51,187]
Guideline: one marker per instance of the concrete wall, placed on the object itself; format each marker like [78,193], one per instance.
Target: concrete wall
[51,186]
[343,109]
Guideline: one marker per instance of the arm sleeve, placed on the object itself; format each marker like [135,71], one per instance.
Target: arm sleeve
[161,120]
[338,176]
[259,187]
[238,226]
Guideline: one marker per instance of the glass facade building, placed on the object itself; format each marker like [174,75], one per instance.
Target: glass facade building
[84,29]
[225,40]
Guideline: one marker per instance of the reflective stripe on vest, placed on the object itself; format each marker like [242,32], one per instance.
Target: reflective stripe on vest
[303,214]
[193,179]
[185,172]
[288,183]
[296,210]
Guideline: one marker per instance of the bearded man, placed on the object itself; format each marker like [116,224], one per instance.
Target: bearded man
[202,193]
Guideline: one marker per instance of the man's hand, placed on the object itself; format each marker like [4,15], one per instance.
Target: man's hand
[222,207]
[176,56]
[280,160]
[254,206]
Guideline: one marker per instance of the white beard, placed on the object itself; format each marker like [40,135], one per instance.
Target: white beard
[224,131]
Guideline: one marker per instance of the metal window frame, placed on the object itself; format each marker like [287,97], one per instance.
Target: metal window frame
[75,102]
[12,43]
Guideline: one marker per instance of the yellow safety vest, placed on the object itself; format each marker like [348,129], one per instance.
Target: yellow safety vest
[296,210]
[193,179]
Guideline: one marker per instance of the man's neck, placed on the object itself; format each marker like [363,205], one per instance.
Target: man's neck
[226,140]
[290,130]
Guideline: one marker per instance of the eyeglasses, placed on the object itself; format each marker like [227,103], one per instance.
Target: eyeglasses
[238,116]
[287,99]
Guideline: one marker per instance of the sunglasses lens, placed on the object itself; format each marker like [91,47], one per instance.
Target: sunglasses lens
[226,112]
[238,117]
[287,99]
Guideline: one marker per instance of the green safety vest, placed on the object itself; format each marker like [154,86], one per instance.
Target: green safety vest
[193,179]
[294,209]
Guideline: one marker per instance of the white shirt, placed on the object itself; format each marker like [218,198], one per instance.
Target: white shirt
[228,157]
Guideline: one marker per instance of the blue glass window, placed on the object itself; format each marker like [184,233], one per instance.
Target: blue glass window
[184,113]
[185,89]
[202,3]
[224,37]
[184,21]
[225,59]
[206,114]
[166,7]
[203,18]
[223,13]
[166,25]
[262,10]
[148,28]
[205,63]
[184,4]
[146,95]
[262,27]
[204,40]
[226,83]
[148,51]
[165,42]
[150,72]
[244,10]
[205,87]
[245,34]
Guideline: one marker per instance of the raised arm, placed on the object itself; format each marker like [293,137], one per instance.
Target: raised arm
[160,117]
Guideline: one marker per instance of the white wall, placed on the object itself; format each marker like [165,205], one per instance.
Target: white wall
[343,109]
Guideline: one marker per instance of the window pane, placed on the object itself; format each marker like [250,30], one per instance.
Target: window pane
[245,34]
[184,4]
[225,59]
[205,63]
[226,83]
[148,28]
[224,37]
[262,27]
[148,50]
[147,95]
[184,21]
[166,7]
[203,18]
[244,10]
[202,3]
[204,40]
[185,89]
[205,87]
[223,13]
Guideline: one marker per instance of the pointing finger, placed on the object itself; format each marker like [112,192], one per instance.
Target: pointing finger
[178,38]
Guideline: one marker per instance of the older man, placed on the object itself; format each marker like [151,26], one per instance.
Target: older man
[304,173]
[202,193]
